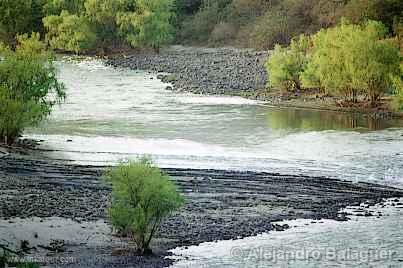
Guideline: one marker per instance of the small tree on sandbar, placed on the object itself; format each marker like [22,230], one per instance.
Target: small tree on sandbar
[142,196]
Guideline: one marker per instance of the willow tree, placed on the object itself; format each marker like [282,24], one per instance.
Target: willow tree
[148,24]
[102,15]
[286,64]
[142,196]
[351,59]
[29,87]
[15,18]
[69,32]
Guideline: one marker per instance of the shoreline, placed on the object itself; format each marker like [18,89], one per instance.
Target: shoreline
[234,72]
[220,205]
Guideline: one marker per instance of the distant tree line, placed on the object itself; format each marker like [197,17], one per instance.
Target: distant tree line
[83,25]
[263,23]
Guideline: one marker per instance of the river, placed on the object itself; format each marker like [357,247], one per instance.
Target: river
[116,114]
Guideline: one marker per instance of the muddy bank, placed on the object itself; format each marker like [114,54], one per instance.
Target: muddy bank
[219,204]
[202,70]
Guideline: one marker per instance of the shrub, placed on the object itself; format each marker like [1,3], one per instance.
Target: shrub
[69,32]
[149,25]
[15,115]
[285,65]
[29,87]
[351,59]
[142,196]
[397,102]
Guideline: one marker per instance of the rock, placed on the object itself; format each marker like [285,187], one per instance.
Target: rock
[213,71]
[341,217]
[281,228]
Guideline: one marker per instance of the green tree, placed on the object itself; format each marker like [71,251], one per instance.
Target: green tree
[351,59]
[29,87]
[69,32]
[285,65]
[149,24]
[15,18]
[142,196]
[55,7]
[397,102]
[102,15]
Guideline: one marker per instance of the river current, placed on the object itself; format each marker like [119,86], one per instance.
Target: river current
[112,115]
[116,114]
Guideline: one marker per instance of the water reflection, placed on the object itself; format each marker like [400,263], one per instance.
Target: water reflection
[302,119]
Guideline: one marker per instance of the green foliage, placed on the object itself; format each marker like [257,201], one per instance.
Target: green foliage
[55,7]
[69,32]
[397,80]
[142,196]
[285,65]
[15,18]
[102,14]
[351,59]
[28,88]
[249,23]
[149,24]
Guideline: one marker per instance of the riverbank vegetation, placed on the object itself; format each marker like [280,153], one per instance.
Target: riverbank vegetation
[29,87]
[351,61]
[263,23]
[142,196]
[90,25]
[100,25]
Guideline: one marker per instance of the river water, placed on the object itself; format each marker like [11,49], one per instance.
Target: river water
[117,114]
[114,114]
[360,242]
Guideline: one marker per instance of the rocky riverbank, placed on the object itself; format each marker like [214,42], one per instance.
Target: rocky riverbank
[224,71]
[239,72]
[219,204]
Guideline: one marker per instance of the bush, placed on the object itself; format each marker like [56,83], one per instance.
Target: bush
[142,196]
[351,59]
[29,87]
[149,25]
[285,65]
[397,102]
[69,32]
